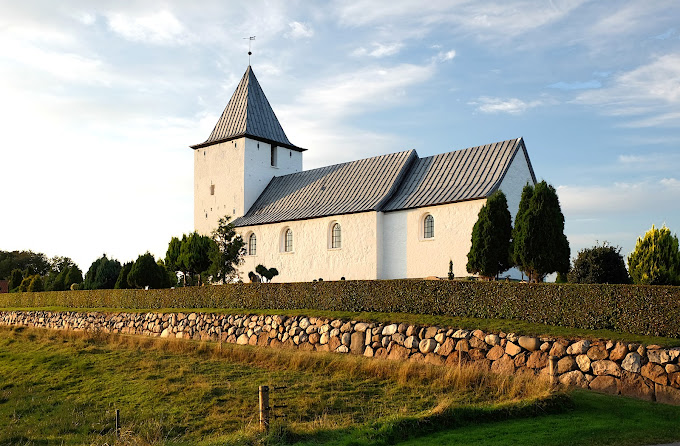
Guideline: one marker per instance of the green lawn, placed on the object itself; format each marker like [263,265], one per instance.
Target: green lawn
[594,419]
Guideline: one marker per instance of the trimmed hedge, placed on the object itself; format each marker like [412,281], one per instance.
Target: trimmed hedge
[644,310]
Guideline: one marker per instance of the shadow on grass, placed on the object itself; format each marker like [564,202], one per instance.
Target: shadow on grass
[389,431]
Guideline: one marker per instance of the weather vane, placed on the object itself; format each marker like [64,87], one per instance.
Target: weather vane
[250,41]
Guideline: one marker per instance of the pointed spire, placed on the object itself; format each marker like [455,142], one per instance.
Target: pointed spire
[248,113]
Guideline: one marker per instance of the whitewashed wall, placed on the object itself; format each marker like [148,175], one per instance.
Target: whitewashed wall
[220,165]
[517,176]
[312,257]
[259,171]
[240,170]
[452,231]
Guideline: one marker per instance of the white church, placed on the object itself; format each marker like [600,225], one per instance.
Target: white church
[387,217]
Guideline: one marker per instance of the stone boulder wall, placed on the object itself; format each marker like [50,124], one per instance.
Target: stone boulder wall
[648,372]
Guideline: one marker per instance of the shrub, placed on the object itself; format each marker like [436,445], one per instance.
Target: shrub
[644,310]
[656,259]
[599,264]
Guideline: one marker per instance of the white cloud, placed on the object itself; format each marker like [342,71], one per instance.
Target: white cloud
[379,50]
[650,92]
[587,85]
[362,90]
[655,198]
[161,28]
[512,106]
[318,119]
[649,162]
[484,20]
[299,30]
[444,56]
[671,183]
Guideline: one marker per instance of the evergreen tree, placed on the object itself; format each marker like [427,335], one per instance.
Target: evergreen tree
[229,253]
[490,251]
[15,279]
[36,284]
[122,281]
[23,286]
[73,276]
[195,254]
[146,272]
[102,274]
[656,260]
[599,264]
[539,244]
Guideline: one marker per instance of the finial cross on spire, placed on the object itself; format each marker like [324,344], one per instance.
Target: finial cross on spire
[250,41]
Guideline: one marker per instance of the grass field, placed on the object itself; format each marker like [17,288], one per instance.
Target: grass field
[63,388]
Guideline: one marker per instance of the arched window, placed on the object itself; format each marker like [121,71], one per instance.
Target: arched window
[288,241]
[336,236]
[428,226]
[252,245]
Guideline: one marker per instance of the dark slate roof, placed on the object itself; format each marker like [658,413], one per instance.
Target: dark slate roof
[386,183]
[248,113]
[456,176]
[346,188]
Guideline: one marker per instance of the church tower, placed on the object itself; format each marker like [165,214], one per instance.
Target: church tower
[246,149]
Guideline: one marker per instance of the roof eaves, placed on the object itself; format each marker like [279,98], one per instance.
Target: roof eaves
[248,135]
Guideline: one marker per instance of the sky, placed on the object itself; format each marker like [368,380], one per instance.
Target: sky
[101,100]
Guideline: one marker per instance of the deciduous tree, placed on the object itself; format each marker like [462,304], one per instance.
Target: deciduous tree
[229,253]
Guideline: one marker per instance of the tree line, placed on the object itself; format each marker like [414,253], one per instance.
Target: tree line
[193,259]
[538,247]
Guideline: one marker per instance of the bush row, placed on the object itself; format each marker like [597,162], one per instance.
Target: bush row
[644,310]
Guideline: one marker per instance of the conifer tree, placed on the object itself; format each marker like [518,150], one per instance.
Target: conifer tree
[490,251]
[36,284]
[539,244]
[146,272]
[122,281]
[15,279]
[656,260]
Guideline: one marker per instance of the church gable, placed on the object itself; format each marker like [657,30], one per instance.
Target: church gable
[451,177]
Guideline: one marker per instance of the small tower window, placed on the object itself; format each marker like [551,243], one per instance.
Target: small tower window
[212,189]
[288,241]
[273,156]
[336,236]
[428,226]
[252,245]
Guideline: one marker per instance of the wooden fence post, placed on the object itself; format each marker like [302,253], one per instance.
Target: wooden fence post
[552,370]
[264,407]
[117,423]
